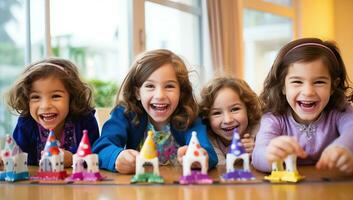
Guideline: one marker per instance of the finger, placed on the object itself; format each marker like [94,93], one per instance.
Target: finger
[130,157]
[342,160]
[246,135]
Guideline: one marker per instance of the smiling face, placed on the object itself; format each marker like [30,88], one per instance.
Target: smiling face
[159,95]
[228,112]
[307,90]
[49,103]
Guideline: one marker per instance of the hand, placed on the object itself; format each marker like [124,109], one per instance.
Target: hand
[282,146]
[334,157]
[67,158]
[248,143]
[126,161]
[182,152]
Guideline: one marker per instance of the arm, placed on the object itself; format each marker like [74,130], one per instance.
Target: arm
[25,135]
[113,139]
[269,129]
[339,154]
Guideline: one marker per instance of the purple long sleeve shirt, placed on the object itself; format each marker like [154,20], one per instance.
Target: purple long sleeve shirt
[331,128]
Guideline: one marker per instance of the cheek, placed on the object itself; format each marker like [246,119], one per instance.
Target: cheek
[214,123]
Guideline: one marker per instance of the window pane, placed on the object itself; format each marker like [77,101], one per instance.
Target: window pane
[94,35]
[180,33]
[287,3]
[12,42]
[187,2]
[264,35]
[37,30]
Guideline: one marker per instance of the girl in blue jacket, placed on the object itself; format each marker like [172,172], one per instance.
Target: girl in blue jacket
[155,95]
[50,95]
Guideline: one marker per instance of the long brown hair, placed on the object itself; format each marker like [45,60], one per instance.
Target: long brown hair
[306,50]
[144,65]
[79,91]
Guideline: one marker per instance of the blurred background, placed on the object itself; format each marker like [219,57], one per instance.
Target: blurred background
[236,37]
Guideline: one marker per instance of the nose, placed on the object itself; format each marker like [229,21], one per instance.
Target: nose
[228,118]
[45,103]
[308,89]
[159,94]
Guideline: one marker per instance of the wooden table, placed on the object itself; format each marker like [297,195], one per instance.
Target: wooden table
[317,185]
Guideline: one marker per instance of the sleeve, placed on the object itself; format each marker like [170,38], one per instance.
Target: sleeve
[345,127]
[113,139]
[201,130]
[269,129]
[25,137]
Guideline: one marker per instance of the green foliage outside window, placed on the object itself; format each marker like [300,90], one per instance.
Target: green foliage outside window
[104,92]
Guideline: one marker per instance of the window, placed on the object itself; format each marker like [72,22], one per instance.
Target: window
[98,43]
[176,25]
[12,43]
[99,36]
[267,26]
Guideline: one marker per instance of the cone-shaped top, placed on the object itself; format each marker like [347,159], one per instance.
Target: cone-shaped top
[51,147]
[236,147]
[11,148]
[194,147]
[148,149]
[84,147]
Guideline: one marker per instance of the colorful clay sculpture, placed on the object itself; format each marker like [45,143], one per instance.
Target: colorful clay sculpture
[148,155]
[51,164]
[290,174]
[85,163]
[237,152]
[15,162]
[195,154]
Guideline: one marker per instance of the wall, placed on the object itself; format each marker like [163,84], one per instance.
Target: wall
[344,32]
[329,20]
[316,19]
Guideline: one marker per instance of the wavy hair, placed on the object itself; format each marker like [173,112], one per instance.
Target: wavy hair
[144,65]
[246,95]
[306,50]
[80,92]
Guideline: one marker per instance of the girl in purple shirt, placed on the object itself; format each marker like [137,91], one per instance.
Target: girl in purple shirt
[307,114]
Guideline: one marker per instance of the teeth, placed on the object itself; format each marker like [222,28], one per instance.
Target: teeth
[159,106]
[48,116]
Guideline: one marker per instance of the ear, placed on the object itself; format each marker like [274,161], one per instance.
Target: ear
[284,90]
[137,93]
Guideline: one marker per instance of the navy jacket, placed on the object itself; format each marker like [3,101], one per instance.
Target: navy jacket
[26,134]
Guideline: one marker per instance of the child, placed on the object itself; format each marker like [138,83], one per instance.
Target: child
[307,109]
[155,95]
[228,103]
[50,95]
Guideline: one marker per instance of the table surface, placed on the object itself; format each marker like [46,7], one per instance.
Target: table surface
[317,184]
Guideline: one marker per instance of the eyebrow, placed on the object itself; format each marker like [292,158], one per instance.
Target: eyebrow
[319,77]
[233,105]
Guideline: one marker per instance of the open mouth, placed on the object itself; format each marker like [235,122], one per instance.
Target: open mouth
[229,130]
[159,107]
[47,117]
[307,105]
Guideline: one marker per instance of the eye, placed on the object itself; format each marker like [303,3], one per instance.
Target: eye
[34,97]
[150,86]
[235,109]
[170,86]
[216,113]
[320,82]
[296,82]
[56,96]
